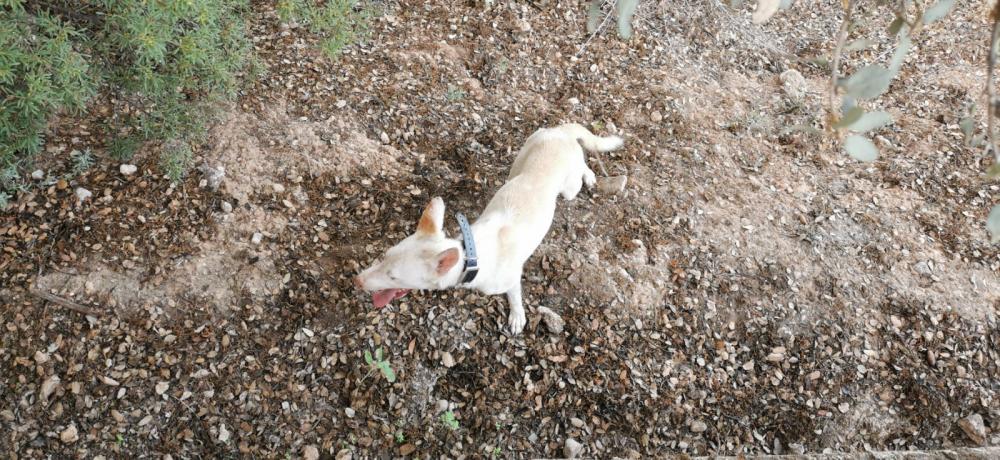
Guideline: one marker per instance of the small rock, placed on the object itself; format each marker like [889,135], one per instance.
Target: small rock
[573,101]
[41,357]
[843,407]
[49,386]
[793,83]
[447,360]
[611,185]
[552,320]
[442,405]
[572,448]
[349,412]
[341,104]
[699,427]
[656,117]
[224,434]
[310,452]
[227,207]
[69,435]
[576,422]
[344,454]
[213,176]
[278,188]
[38,174]
[127,170]
[407,449]
[82,194]
[974,428]
[922,268]
[257,238]
[383,137]
[162,387]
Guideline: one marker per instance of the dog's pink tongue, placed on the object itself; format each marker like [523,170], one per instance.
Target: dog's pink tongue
[383,297]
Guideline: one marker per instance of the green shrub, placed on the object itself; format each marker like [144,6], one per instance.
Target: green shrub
[338,22]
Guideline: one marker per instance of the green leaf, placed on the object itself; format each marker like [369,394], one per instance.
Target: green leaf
[870,121]
[900,55]
[626,9]
[993,224]
[854,114]
[859,44]
[387,371]
[368,357]
[938,11]
[896,26]
[994,171]
[378,354]
[860,148]
[868,83]
[594,16]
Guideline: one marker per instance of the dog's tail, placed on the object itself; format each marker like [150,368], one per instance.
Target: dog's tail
[591,142]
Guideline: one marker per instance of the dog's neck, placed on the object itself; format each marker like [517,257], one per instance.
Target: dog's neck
[485,255]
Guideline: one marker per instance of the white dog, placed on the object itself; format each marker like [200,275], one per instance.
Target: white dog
[491,253]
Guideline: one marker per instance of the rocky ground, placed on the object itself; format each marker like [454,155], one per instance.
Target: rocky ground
[750,291]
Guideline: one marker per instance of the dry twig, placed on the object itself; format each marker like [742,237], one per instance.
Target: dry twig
[65,303]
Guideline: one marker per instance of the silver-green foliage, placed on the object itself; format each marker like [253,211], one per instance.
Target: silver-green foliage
[624,11]
[338,22]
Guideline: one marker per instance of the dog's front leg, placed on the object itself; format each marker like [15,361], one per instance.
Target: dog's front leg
[516,319]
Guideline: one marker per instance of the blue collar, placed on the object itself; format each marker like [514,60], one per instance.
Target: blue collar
[471,267]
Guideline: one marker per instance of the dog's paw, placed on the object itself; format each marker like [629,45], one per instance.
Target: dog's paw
[516,322]
[589,179]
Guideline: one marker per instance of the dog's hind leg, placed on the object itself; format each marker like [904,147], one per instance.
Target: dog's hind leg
[516,320]
[571,187]
[588,177]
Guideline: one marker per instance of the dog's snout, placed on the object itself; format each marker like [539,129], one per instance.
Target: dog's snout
[358,282]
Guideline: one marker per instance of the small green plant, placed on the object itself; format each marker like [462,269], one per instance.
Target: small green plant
[449,421]
[175,159]
[338,22]
[119,440]
[495,453]
[82,161]
[400,437]
[123,148]
[455,93]
[379,364]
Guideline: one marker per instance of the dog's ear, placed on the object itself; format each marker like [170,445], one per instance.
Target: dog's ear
[446,260]
[432,220]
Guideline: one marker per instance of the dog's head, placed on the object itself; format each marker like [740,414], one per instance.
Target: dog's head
[421,261]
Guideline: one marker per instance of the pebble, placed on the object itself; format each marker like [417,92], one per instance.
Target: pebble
[213,176]
[257,238]
[793,83]
[224,434]
[82,194]
[349,412]
[552,320]
[611,185]
[162,387]
[572,448]
[573,101]
[69,435]
[447,360]
[344,454]
[227,207]
[576,422]
[974,428]
[278,188]
[699,427]
[38,174]
[310,452]
[49,386]
[442,405]
[383,137]
[922,268]
[656,117]
[41,357]
[127,170]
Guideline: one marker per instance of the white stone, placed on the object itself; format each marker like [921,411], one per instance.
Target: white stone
[38,174]
[127,170]
[83,194]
